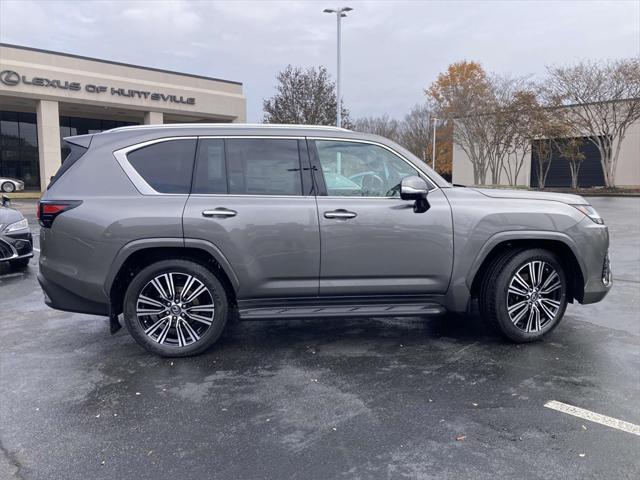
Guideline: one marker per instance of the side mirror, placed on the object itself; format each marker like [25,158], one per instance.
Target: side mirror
[6,201]
[413,188]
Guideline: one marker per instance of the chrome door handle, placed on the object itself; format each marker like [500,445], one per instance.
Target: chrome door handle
[340,213]
[219,212]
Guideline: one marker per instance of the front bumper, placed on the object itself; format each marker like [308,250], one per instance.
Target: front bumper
[14,246]
[593,243]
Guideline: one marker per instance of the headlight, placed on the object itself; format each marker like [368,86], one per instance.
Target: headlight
[14,227]
[590,212]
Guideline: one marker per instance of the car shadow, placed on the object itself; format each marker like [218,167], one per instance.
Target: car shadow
[450,328]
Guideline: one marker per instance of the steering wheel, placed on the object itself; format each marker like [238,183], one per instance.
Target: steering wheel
[372,182]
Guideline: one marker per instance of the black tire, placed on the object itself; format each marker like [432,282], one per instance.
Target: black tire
[495,297]
[8,187]
[181,269]
[19,264]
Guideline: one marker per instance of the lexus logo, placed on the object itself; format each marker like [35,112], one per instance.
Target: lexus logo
[9,77]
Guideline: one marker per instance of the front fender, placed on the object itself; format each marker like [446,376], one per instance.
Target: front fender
[520,235]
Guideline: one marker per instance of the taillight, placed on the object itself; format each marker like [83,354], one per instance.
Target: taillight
[48,210]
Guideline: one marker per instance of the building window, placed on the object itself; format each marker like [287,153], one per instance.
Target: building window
[19,148]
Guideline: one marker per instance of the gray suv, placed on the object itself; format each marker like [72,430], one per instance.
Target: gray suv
[181,227]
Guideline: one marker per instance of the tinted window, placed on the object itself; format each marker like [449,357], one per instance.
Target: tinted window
[75,152]
[360,169]
[166,166]
[211,171]
[263,167]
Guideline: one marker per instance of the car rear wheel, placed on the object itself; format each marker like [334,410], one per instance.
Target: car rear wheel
[175,308]
[8,187]
[525,294]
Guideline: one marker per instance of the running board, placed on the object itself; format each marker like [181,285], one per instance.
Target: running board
[352,310]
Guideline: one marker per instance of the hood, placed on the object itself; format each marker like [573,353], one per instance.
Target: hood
[9,215]
[532,195]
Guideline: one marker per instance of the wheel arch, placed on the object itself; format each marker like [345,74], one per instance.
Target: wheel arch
[556,242]
[134,256]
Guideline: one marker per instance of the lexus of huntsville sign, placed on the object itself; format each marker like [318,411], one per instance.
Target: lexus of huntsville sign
[12,78]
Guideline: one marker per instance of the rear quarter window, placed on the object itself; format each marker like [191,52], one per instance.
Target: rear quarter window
[166,166]
[74,154]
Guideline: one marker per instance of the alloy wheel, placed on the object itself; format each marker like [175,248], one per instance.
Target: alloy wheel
[8,187]
[534,296]
[175,309]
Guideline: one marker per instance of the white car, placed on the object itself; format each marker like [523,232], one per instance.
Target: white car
[8,185]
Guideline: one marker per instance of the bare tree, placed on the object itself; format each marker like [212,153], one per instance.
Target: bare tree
[304,97]
[571,150]
[520,117]
[383,126]
[545,129]
[415,132]
[512,100]
[487,117]
[602,100]
[462,96]
[543,148]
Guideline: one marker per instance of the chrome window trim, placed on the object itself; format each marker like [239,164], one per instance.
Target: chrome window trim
[145,189]
[419,172]
[235,195]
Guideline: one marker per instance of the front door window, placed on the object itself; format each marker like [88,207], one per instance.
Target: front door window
[353,169]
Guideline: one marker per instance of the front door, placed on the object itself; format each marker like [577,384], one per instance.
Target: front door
[252,199]
[372,242]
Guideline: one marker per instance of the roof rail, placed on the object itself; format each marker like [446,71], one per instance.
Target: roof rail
[228,125]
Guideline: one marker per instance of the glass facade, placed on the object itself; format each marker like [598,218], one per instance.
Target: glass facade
[19,142]
[19,148]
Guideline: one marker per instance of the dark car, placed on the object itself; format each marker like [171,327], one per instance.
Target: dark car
[16,242]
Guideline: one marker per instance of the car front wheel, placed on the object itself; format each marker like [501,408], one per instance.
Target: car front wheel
[8,187]
[525,294]
[175,308]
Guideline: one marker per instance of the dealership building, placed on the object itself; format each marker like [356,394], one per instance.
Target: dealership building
[521,167]
[46,96]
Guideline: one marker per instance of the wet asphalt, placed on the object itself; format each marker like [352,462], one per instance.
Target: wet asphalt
[324,399]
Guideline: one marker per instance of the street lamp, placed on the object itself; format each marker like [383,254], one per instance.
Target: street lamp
[340,12]
[433,158]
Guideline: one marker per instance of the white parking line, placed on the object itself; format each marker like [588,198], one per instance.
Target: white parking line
[36,249]
[594,417]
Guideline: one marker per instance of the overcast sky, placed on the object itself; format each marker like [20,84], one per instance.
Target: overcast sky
[391,49]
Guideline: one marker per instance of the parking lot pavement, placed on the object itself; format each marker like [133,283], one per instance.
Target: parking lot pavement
[398,398]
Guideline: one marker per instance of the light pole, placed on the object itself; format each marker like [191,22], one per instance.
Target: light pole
[433,158]
[340,12]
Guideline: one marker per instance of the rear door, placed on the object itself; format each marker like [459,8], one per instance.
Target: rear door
[373,243]
[252,197]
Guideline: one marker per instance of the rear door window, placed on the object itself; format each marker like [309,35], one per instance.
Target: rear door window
[261,166]
[166,166]
[211,170]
